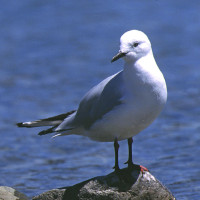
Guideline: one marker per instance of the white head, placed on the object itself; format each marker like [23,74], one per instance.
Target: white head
[134,44]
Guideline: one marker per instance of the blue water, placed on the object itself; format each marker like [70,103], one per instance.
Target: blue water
[52,52]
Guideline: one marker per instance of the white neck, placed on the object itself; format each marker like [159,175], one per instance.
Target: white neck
[141,69]
[144,74]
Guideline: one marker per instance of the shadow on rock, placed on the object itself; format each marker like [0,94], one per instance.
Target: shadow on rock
[122,185]
[123,180]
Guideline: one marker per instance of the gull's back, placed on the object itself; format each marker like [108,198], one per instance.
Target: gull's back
[98,101]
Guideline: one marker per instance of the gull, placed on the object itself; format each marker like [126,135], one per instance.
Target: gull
[120,106]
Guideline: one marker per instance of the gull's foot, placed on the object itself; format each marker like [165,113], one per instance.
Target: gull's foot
[142,169]
[137,167]
[116,169]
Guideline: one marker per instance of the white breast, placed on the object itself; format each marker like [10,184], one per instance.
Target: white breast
[145,95]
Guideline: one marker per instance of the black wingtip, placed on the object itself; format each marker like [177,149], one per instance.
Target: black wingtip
[47,131]
[44,132]
[20,124]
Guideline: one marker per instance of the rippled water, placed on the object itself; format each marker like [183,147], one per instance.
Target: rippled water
[52,52]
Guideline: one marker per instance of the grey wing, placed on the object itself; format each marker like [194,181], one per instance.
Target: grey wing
[99,101]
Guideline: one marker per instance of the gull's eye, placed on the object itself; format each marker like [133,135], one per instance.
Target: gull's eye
[135,44]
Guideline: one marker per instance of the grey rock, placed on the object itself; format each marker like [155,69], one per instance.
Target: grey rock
[8,193]
[125,185]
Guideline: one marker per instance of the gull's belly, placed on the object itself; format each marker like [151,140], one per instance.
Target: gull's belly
[124,121]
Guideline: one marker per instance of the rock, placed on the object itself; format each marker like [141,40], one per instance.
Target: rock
[8,193]
[126,184]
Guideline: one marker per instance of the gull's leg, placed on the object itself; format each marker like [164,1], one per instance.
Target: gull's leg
[130,160]
[116,147]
